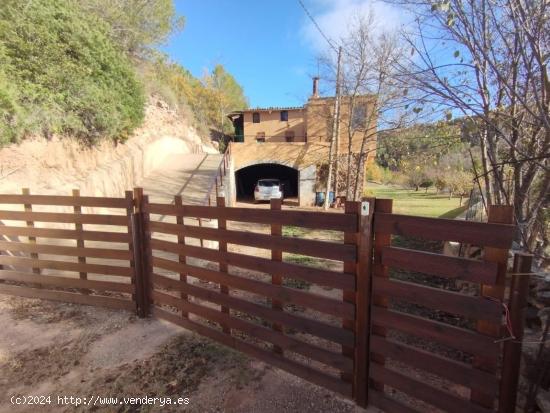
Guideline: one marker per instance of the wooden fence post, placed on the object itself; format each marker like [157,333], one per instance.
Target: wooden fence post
[517,305]
[222,247]
[181,257]
[147,255]
[141,251]
[77,209]
[501,214]
[349,296]
[134,229]
[362,303]
[276,279]
[381,240]
[30,224]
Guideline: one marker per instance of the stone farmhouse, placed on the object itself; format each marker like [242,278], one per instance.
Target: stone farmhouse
[292,143]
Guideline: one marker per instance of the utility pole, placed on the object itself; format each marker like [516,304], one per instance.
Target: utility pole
[335,131]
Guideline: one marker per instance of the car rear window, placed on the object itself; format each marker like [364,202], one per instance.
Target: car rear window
[268,182]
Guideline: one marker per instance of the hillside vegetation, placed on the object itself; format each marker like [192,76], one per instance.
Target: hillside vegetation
[83,68]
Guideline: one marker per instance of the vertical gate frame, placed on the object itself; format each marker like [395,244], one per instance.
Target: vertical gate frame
[501,214]
[363,282]
[222,248]
[350,296]
[276,279]
[511,360]
[182,259]
[140,254]
[381,240]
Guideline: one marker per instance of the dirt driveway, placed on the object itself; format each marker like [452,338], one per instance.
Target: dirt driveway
[59,349]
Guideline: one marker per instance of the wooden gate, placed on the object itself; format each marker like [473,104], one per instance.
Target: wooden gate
[349,301]
[207,279]
[438,345]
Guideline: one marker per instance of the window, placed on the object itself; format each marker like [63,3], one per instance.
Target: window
[256,117]
[284,115]
[260,137]
[359,117]
[289,136]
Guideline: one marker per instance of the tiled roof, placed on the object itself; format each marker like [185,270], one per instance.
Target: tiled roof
[272,108]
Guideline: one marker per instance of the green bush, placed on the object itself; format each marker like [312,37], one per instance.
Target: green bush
[10,112]
[387,176]
[373,171]
[64,74]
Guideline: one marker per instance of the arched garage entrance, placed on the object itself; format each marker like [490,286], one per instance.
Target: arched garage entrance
[246,178]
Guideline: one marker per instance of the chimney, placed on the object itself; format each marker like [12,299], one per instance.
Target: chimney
[315,87]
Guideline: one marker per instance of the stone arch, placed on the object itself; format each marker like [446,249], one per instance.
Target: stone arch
[248,174]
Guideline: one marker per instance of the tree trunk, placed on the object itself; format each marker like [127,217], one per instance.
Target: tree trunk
[336,120]
[485,168]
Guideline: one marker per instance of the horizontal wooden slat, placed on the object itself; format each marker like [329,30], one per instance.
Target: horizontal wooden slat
[314,248]
[476,233]
[114,254]
[452,370]
[482,272]
[65,266]
[65,234]
[313,275]
[477,308]
[85,201]
[306,219]
[382,401]
[422,391]
[271,358]
[312,351]
[314,327]
[314,301]
[65,217]
[65,282]
[454,337]
[95,300]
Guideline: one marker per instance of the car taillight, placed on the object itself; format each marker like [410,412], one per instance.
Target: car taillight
[257,189]
[280,188]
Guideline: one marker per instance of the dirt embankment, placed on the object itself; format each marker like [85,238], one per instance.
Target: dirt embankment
[56,166]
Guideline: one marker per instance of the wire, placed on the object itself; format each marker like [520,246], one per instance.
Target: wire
[317,26]
[511,335]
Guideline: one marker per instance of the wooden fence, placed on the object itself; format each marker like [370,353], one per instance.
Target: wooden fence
[78,257]
[217,184]
[367,326]
[457,345]
[249,312]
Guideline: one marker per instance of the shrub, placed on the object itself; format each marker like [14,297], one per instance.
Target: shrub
[373,171]
[10,112]
[387,176]
[69,76]
[427,183]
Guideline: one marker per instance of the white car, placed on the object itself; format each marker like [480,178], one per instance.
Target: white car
[267,189]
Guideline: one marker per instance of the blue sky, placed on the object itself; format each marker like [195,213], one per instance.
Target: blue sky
[270,46]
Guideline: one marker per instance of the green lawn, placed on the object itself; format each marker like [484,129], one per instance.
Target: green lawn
[411,202]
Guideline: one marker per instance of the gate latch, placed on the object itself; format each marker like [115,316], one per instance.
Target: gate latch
[365,205]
